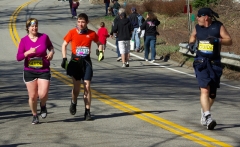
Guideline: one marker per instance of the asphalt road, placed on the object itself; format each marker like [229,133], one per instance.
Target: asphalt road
[145,105]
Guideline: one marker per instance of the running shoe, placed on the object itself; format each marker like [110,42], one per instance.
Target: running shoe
[43,112]
[127,64]
[35,120]
[210,122]
[101,56]
[73,108]
[87,116]
[123,65]
[203,119]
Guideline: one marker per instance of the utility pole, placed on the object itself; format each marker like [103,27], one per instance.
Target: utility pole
[188,14]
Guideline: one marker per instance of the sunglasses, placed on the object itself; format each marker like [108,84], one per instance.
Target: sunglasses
[201,15]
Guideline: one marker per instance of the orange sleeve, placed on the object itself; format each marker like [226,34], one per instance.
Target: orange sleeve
[68,37]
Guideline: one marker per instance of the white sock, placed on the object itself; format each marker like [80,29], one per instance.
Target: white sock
[206,113]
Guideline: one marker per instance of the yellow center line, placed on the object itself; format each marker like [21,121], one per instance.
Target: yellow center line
[148,117]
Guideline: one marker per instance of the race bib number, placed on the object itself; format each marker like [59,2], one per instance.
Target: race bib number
[82,51]
[205,46]
[35,63]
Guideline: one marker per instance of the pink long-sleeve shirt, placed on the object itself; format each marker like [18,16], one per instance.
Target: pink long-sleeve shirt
[42,44]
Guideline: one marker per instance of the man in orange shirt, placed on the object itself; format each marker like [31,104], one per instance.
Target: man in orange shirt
[80,65]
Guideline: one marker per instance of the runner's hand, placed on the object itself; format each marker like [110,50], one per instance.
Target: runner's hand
[50,56]
[213,40]
[64,63]
[191,48]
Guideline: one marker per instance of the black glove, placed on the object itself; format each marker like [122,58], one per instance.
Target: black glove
[64,63]
[213,40]
[191,48]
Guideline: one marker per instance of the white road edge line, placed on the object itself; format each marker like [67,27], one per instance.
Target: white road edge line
[172,68]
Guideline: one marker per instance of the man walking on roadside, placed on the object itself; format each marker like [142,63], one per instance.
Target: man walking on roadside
[136,20]
[124,29]
[208,35]
[115,22]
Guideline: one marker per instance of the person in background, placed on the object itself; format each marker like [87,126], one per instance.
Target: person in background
[107,3]
[208,35]
[136,20]
[36,50]
[75,5]
[103,35]
[70,4]
[115,7]
[150,27]
[124,30]
[112,35]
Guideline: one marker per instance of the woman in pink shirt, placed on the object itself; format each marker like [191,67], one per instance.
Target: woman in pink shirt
[36,74]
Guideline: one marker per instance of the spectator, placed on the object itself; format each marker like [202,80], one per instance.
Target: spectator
[115,7]
[124,29]
[70,4]
[107,3]
[75,5]
[150,27]
[115,22]
[136,20]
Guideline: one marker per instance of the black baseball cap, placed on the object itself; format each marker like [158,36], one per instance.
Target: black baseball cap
[204,12]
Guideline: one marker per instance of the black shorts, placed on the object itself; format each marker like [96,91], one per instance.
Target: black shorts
[80,70]
[29,76]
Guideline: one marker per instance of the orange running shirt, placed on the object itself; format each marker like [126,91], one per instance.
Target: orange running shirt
[80,40]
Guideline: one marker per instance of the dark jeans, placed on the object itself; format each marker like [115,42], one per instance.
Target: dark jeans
[106,7]
[150,41]
[118,52]
[74,12]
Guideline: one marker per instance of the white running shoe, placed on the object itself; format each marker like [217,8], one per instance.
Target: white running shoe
[203,118]
[124,65]
[210,122]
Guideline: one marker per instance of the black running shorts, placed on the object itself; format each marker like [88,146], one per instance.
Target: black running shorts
[29,76]
[80,71]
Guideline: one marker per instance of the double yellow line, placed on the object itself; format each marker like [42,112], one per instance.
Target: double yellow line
[145,116]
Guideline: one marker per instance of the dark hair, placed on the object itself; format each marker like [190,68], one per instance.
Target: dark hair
[151,16]
[102,24]
[83,16]
[29,21]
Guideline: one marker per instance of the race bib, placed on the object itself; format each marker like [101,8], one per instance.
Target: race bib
[205,46]
[35,63]
[82,51]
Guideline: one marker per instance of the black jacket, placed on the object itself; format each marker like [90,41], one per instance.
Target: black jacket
[124,29]
[134,19]
[150,27]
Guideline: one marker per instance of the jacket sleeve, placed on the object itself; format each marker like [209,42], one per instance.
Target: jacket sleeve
[157,22]
[143,26]
[115,28]
[114,23]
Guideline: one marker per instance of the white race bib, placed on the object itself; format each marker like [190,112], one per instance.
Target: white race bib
[82,51]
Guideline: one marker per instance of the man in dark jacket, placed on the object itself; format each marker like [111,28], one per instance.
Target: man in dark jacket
[124,29]
[133,17]
[115,22]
